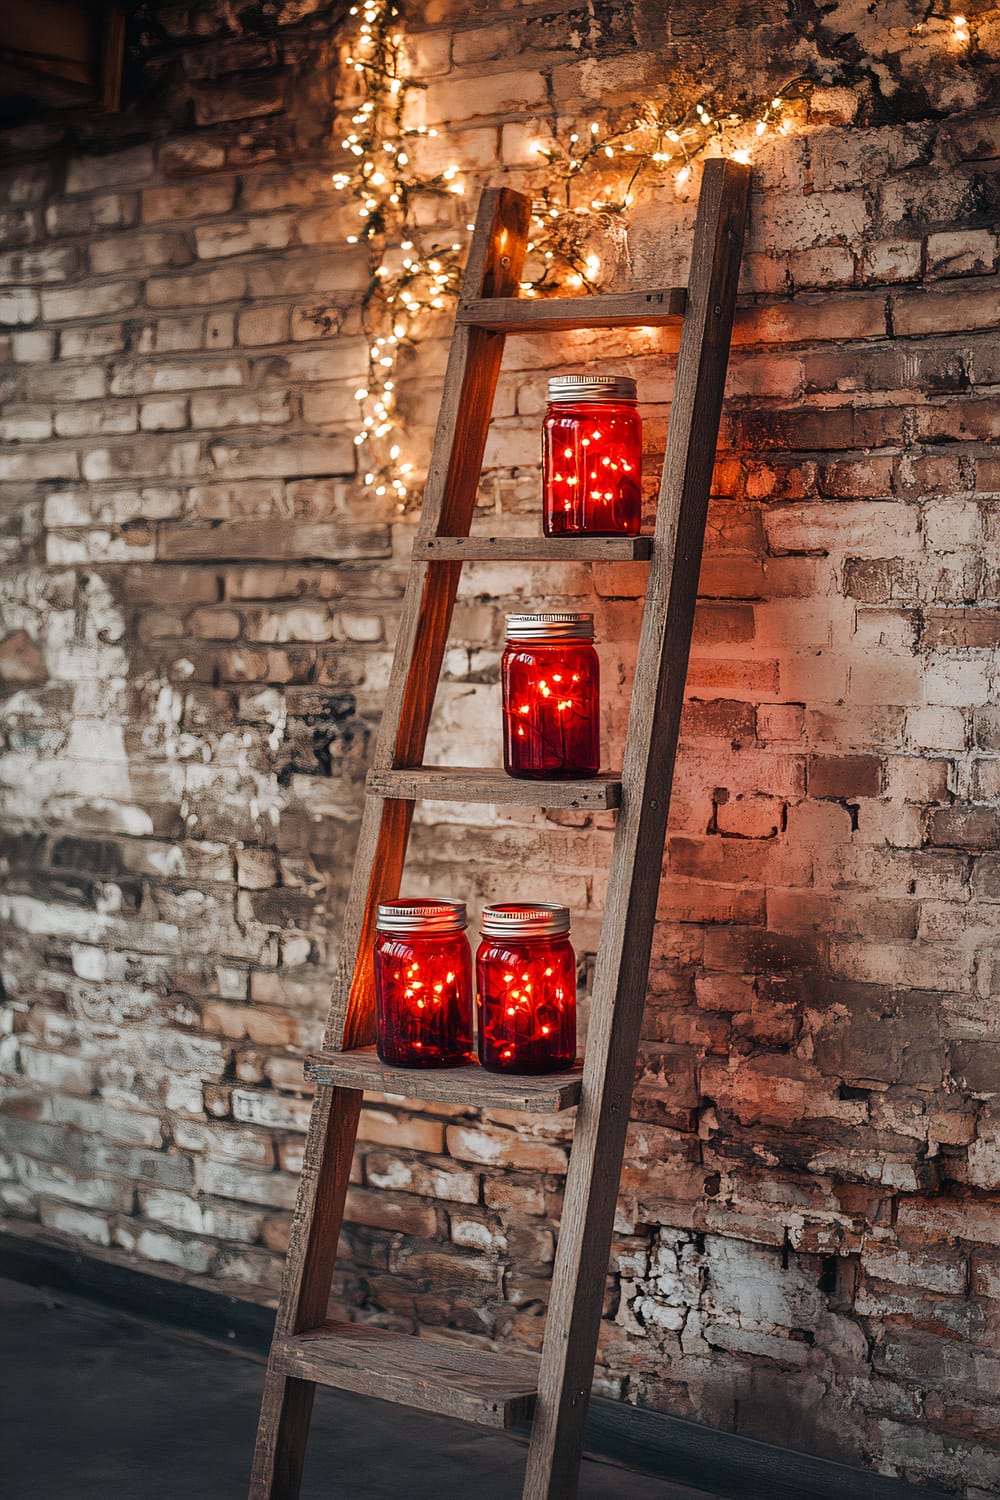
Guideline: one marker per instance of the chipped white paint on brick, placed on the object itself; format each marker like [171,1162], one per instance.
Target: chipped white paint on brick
[196,616]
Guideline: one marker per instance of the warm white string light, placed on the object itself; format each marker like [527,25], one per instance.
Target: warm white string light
[589,183]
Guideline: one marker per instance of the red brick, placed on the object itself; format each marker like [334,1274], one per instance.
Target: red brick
[844,776]
[207,654]
[964,826]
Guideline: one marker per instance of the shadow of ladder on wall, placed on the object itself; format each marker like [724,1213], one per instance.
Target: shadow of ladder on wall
[500,1390]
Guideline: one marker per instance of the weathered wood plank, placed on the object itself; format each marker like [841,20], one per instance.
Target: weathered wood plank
[492,1390]
[494,268]
[472,1085]
[461,1381]
[474,784]
[556,314]
[495,259]
[622,970]
[286,1407]
[534,548]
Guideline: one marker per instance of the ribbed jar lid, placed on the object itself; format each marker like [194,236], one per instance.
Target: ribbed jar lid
[591,388]
[421,917]
[550,627]
[535,919]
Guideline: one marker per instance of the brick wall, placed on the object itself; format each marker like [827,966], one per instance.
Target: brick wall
[198,607]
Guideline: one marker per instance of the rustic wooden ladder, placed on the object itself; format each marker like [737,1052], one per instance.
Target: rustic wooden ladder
[495,1389]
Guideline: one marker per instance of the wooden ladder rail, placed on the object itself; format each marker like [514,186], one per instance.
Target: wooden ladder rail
[496,256]
[619,991]
[495,261]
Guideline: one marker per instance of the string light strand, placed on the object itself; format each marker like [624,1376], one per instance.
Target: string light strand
[584,189]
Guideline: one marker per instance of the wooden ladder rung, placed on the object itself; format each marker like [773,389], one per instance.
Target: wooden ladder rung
[472,1085]
[473,784]
[558,314]
[533,548]
[452,1379]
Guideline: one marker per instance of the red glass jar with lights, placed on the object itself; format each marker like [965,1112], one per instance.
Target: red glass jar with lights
[592,457]
[551,681]
[526,990]
[423,984]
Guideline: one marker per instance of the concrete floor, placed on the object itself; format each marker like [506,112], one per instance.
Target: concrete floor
[98,1406]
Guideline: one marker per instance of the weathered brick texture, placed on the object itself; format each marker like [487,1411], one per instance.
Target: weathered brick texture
[198,608]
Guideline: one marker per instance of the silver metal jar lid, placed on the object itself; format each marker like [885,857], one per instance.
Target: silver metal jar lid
[550,627]
[591,388]
[537,919]
[421,917]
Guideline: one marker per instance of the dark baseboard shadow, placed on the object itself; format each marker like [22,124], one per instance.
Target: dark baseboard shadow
[665,1447]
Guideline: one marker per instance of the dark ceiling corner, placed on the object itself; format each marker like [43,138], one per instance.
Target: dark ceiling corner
[58,56]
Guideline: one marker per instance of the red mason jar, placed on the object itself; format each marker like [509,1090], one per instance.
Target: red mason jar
[526,989]
[423,984]
[592,457]
[551,681]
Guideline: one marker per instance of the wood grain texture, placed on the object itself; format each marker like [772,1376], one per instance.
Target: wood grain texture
[495,260]
[623,956]
[492,1390]
[475,784]
[286,1407]
[472,1085]
[534,548]
[556,314]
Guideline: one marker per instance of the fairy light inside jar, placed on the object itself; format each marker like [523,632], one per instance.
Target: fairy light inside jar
[526,989]
[550,677]
[592,457]
[423,984]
